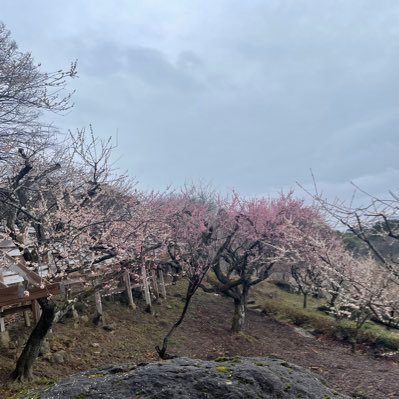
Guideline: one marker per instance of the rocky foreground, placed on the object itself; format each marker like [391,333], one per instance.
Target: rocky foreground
[184,378]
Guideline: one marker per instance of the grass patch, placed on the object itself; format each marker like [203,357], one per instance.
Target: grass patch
[98,375]
[288,307]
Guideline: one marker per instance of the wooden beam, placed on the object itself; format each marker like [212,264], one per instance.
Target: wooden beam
[74,281]
[15,309]
[9,292]
[15,294]
[23,271]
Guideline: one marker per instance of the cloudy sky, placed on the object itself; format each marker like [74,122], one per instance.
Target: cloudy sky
[248,95]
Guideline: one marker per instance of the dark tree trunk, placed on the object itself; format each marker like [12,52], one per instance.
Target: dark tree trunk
[355,337]
[354,344]
[162,352]
[305,300]
[24,368]
[239,316]
[240,307]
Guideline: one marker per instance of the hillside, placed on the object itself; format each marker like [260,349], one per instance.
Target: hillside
[204,335]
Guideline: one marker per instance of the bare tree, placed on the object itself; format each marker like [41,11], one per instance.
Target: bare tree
[375,224]
[25,92]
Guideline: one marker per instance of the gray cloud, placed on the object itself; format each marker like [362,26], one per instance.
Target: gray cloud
[248,95]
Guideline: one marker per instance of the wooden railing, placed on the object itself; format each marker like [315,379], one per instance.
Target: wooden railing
[16,295]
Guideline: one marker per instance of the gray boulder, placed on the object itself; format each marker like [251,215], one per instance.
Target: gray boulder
[183,378]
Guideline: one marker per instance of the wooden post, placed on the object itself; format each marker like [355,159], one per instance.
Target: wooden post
[63,290]
[126,277]
[146,289]
[161,283]
[2,323]
[27,318]
[36,310]
[99,307]
[155,283]
[4,336]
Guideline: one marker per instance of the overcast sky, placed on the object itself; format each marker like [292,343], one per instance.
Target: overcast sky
[248,95]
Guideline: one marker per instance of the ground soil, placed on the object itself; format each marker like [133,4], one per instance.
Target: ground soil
[204,334]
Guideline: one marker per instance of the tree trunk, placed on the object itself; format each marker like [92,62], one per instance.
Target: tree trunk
[24,367]
[354,339]
[353,345]
[239,314]
[162,352]
[359,325]
[305,300]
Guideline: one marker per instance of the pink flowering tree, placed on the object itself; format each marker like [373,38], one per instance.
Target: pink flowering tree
[193,220]
[259,231]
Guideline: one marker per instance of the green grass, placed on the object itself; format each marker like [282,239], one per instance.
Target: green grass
[19,390]
[288,307]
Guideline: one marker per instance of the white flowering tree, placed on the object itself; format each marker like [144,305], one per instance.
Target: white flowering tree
[73,206]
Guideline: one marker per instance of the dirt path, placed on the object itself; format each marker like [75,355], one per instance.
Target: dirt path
[205,334]
[360,374]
